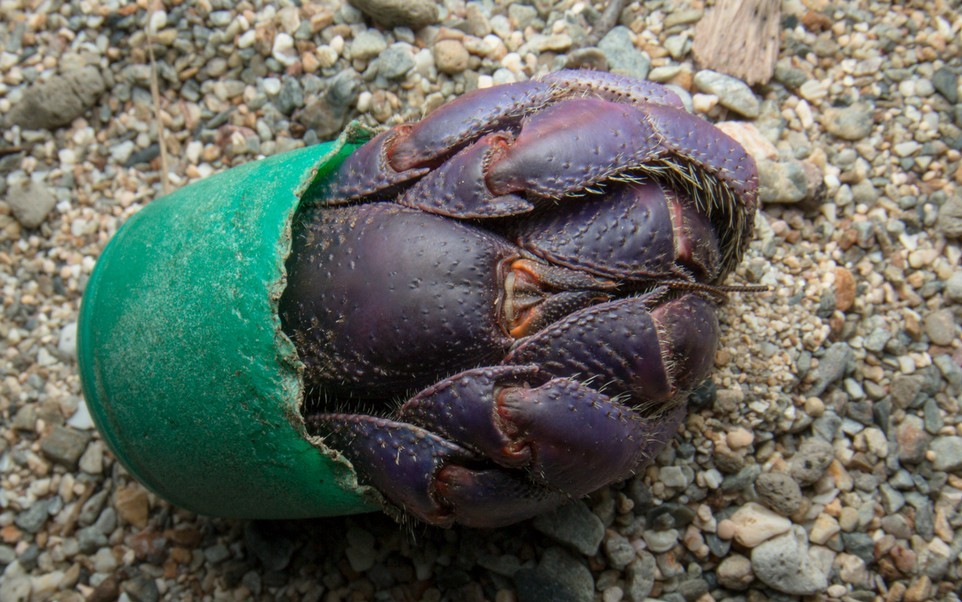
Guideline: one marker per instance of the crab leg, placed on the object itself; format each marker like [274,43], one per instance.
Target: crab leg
[648,348]
[520,447]
[526,434]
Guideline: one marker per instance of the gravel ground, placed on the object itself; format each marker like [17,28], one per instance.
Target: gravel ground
[825,460]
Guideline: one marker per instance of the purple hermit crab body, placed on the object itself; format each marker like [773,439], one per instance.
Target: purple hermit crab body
[533,270]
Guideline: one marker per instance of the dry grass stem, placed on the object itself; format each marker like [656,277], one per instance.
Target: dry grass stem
[158,122]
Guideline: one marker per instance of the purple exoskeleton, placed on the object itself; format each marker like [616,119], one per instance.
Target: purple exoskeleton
[534,271]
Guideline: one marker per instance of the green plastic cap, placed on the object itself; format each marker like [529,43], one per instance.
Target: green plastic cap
[184,366]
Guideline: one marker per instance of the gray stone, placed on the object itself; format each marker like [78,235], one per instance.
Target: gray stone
[640,577]
[396,61]
[678,46]
[934,563]
[892,499]
[809,463]
[30,202]
[950,217]
[559,576]
[622,56]
[15,588]
[326,114]
[946,82]
[742,479]
[573,524]
[788,182]
[877,339]
[895,524]
[35,516]
[827,426]
[859,544]
[216,553]
[619,550]
[851,123]
[912,439]
[90,539]
[905,388]
[107,521]
[64,445]
[784,564]
[932,416]
[940,327]
[59,100]
[864,193]
[672,476]
[718,546]
[947,452]
[732,93]
[505,565]
[290,97]
[660,540]
[368,44]
[693,589]
[361,549]
[788,75]
[779,492]
[924,514]
[92,507]
[950,371]
[266,542]
[953,287]
[141,589]
[835,363]
[522,15]
[669,516]
[400,13]
[26,418]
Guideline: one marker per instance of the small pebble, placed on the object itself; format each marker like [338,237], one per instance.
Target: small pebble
[753,524]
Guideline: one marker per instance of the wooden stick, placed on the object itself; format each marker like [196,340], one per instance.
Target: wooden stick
[740,38]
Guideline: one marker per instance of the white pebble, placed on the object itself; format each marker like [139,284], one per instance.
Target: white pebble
[81,418]
[68,340]
[193,151]
[754,523]
[283,50]
[272,86]
[702,103]
[364,102]
[804,113]
[157,21]
[247,39]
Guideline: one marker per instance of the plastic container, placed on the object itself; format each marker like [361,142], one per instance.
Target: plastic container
[184,366]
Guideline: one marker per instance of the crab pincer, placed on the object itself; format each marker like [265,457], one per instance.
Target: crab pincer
[534,271]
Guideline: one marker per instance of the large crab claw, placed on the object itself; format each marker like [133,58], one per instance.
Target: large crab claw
[567,235]
[497,149]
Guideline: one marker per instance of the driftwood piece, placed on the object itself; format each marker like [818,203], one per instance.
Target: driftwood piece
[740,38]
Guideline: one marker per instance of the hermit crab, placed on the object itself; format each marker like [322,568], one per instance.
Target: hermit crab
[470,319]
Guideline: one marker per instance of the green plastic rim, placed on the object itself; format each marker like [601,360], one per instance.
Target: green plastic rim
[184,366]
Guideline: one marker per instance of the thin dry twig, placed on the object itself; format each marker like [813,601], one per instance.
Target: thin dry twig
[740,38]
[155,96]
[71,522]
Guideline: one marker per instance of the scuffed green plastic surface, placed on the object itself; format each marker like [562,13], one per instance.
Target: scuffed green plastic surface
[184,367]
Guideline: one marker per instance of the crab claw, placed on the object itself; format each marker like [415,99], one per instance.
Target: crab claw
[547,442]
